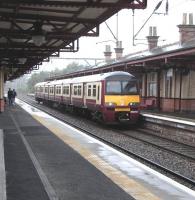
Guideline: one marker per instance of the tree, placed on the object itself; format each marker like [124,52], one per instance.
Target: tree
[36,78]
[40,77]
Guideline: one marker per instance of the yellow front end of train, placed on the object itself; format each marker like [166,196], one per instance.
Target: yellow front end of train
[121,100]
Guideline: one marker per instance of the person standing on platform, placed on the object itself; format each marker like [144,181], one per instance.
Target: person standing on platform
[10,96]
[14,94]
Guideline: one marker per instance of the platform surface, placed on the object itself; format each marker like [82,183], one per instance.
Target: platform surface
[47,159]
[182,117]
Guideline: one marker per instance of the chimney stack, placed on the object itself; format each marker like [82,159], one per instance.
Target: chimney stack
[108,54]
[152,38]
[118,50]
[187,30]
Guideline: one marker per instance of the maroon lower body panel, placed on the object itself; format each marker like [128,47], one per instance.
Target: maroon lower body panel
[111,116]
[78,102]
[66,100]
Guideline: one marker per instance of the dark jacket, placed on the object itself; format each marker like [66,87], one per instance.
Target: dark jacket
[14,94]
[10,94]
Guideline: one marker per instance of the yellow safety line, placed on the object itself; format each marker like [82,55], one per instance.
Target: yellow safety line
[129,185]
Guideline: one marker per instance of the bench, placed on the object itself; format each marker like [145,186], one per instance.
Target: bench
[149,104]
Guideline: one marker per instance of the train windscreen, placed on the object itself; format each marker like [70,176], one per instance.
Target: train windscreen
[121,87]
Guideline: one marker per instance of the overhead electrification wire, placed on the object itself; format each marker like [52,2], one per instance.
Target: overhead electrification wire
[111,31]
[155,9]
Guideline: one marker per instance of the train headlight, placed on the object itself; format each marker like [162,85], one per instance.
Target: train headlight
[133,104]
[110,104]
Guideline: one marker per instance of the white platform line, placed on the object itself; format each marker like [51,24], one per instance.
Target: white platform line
[48,187]
[3,194]
[170,119]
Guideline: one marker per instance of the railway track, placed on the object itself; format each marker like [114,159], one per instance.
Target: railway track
[162,143]
[174,148]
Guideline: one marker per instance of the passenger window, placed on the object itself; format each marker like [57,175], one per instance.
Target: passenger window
[94,90]
[79,90]
[64,90]
[68,90]
[75,90]
[89,90]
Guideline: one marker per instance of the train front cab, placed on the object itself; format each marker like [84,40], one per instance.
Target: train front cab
[121,99]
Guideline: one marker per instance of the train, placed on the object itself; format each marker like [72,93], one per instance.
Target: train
[111,97]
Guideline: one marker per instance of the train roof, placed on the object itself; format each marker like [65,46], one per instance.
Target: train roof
[39,84]
[89,78]
[99,77]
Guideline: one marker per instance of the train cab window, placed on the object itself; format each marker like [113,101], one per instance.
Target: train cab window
[113,87]
[121,87]
[94,90]
[89,91]
[129,87]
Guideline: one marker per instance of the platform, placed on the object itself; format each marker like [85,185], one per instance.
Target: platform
[183,116]
[47,159]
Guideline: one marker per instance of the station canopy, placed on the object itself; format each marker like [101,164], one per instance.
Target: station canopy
[33,30]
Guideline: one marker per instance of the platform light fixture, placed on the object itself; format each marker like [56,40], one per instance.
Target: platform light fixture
[22,60]
[38,36]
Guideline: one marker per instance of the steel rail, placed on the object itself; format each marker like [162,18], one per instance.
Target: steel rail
[158,146]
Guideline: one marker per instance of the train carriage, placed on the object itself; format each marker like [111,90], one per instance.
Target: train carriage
[39,91]
[110,97]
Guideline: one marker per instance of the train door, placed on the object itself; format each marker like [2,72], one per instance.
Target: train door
[71,93]
[98,94]
[54,92]
[84,94]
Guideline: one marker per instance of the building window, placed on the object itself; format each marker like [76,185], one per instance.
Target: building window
[168,83]
[152,85]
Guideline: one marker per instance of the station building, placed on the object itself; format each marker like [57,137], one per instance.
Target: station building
[166,73]
[168,79]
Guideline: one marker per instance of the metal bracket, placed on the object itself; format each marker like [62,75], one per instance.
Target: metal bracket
[71,47]
[138,4]
[36,67]
[92,33]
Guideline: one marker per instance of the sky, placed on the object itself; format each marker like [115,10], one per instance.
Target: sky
[93,47]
